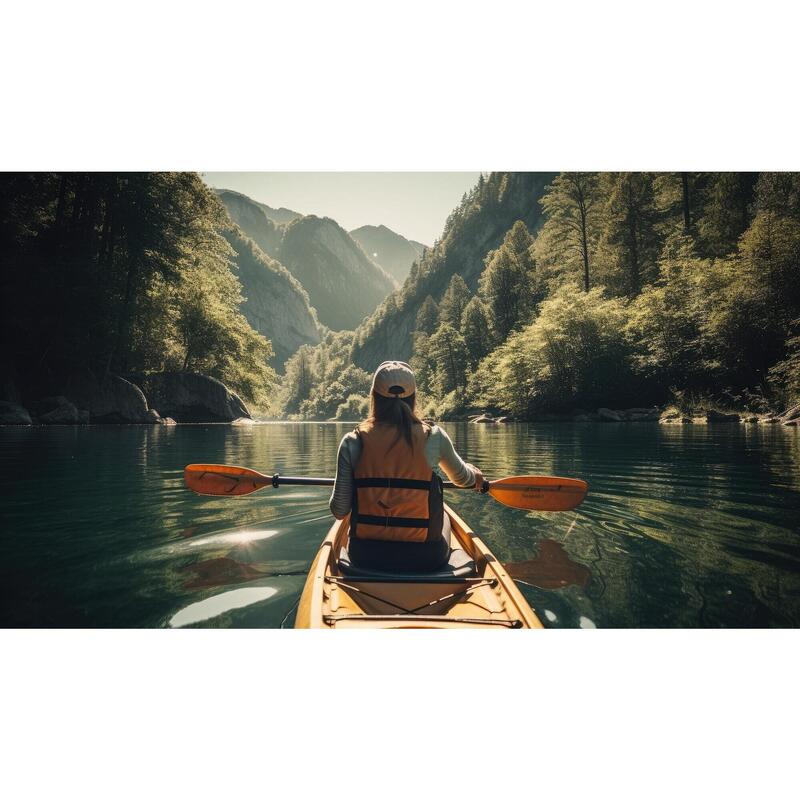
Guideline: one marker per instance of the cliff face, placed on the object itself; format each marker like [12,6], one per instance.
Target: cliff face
[472,231]
[277,306]
[344,285]
[392,251]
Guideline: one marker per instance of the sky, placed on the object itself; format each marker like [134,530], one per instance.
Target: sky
[413,204]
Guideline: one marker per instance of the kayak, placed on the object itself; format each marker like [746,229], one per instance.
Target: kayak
[472,590]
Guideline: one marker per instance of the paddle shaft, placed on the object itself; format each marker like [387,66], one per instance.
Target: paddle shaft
[285,480]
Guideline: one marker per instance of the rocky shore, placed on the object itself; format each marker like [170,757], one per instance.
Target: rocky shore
[670,415]
[165,398]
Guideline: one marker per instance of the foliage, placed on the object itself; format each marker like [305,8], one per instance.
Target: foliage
[427,316]
[355,408]
[510,286]
[476,331]
[574,355]
[454,302]
[566,244]
[123,272]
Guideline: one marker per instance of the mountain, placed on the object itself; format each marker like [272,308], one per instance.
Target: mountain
[472,230]
[251,217]
[280,216]
[392,251]
[344,285]
[277,306]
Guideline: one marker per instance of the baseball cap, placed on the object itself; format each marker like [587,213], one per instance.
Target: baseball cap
[394,379]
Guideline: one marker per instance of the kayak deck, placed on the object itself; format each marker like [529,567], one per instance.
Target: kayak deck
[483,596]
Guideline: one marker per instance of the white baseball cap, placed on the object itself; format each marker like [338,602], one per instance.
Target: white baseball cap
[394,379]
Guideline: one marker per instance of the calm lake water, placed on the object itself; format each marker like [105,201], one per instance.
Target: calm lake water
[684,526]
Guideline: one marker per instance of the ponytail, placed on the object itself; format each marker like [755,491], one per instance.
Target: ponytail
[397,411]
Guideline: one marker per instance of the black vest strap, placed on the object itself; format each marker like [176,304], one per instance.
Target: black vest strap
[392,522]
[392,483]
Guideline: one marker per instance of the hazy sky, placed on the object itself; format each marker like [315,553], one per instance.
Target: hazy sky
[414,204]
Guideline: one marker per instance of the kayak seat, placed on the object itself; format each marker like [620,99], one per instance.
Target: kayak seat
[459,565]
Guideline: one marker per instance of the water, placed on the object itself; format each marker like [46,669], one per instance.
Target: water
[684,525]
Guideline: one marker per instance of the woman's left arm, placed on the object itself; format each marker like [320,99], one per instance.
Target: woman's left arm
[342,495]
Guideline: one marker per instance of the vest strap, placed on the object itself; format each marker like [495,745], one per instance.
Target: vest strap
[392,522]
[392,483]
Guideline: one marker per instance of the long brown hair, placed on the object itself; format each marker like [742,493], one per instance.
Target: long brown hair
[398,411]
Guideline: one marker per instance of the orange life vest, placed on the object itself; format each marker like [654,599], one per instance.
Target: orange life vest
[397,497]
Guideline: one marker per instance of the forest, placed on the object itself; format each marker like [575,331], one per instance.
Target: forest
[123,273]
[621,289]
[547,293]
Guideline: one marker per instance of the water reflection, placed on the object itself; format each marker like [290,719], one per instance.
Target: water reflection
[219,604]
[552,568]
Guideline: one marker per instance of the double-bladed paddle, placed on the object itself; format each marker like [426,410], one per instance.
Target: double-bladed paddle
[530,492]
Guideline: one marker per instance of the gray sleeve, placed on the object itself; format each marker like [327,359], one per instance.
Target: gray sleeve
[460,472]
[342,494]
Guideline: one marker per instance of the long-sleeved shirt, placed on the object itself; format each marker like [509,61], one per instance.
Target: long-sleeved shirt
[438,450]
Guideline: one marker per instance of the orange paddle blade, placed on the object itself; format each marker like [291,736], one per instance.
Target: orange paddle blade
[224,481]
[539,493]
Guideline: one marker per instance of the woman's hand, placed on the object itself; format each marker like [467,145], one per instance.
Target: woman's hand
[478,479]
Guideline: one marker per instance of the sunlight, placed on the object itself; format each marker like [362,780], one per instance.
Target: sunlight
[236,537]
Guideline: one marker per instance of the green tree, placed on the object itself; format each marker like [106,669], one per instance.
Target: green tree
[298,380]
[476,331]
[570,205]
[427,317]
[448,351]
[574,355]
[727,211]
[454,301]
[509,285]
[631,241]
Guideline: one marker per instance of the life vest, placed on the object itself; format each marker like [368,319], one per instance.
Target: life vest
[397,497]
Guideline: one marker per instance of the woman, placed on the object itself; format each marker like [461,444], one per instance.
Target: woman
[386,482]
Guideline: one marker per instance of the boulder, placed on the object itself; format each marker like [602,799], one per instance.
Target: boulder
[167,421]
[718,416]
[609,415]
[47,404]
[111,400]
[13,414]
[243,421]
[64,414]
[188,397]
[790,414]
[153,416]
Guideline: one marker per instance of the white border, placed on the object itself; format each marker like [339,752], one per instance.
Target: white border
[436,86]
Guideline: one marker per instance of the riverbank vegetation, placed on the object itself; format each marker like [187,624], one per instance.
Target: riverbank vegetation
[122,273]
[635,289]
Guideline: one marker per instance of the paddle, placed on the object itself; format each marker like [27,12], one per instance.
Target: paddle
[531,492]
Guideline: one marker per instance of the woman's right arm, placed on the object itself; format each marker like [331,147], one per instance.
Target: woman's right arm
[458,470]
[342,494]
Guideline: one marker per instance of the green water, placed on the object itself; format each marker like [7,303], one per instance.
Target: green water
[683,526]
